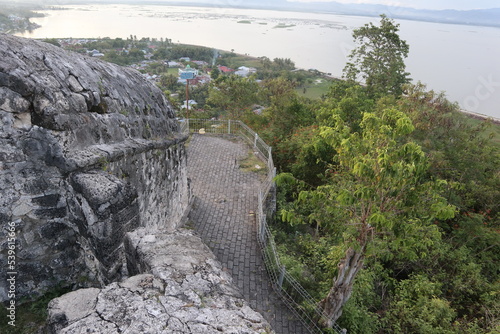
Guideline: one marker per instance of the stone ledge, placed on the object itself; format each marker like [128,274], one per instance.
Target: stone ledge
[96,155]
[185,291]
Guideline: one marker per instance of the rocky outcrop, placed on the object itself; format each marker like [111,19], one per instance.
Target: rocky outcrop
[93,189]
[186,292]
[89,151]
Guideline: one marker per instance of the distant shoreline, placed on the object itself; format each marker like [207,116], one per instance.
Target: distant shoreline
[479,116]
[349,10]
[470,114]
[325,58]
[377,13]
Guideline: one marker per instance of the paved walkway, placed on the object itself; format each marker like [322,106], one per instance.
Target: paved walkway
[223,215]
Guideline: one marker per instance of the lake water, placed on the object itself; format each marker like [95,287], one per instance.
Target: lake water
[463,61]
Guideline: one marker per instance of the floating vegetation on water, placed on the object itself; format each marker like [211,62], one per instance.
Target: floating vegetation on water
[284,25]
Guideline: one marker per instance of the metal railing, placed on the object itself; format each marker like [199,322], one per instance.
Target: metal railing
[286,286]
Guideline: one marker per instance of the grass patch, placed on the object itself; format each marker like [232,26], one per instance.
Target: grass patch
[316,89]
[189,225]
[252,163]
[245,22]
[173,70]
[237,60]
[491,132]
[31,315]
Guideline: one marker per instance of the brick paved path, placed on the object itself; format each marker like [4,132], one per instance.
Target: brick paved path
[223,215]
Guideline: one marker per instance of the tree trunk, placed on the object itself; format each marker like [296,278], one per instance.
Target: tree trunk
[342,286]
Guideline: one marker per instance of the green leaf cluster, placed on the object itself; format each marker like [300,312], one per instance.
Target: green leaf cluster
[431,209]
[395,171]
[378,59]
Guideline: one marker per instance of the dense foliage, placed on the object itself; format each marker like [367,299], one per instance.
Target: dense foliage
[414,179]
[424,271]
[378,58]
[392,187]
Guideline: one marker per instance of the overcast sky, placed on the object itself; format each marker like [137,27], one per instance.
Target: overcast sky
[419,4]
[424,4]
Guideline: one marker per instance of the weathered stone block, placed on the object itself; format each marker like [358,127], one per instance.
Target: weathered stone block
[186,291]
[77,164]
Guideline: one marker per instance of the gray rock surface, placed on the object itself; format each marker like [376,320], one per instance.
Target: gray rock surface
[186,291]
[88,152]
[93,177]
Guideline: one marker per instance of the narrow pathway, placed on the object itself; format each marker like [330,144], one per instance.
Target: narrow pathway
[223,214]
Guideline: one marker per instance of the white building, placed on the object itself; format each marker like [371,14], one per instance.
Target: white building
[172,64]
[244,71]
[191,103]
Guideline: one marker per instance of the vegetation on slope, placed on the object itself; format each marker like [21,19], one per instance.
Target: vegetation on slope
[394,181]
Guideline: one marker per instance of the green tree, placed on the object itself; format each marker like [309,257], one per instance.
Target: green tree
[345,100]
[460,150]
[168,81]
[200,95]
[233,94]
[378,58]
[161,53]
[115,57]
[52,41]
[378,193]
[266,63]
[118,43]
[215,73]
[135,55]
[417,308]
[305,154]
[277,93]
[283,64]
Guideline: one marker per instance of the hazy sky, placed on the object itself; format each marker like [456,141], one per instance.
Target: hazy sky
[424,4]
[419,4]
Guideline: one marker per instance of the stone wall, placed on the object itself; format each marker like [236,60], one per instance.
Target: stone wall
[185,290]
[88,152]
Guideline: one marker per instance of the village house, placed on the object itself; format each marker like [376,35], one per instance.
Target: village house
[191,103]
[173,64]
[95,53]
[244,71]
[200,80]
[225,69]
[200,63]
[151,77]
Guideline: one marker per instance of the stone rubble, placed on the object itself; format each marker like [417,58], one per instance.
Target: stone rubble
[186,291]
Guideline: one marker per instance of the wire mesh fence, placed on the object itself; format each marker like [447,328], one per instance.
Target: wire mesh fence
[286,286]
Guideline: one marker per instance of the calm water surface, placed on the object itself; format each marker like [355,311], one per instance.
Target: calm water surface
[463,61]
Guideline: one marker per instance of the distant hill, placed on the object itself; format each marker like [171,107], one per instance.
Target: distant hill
[483,17]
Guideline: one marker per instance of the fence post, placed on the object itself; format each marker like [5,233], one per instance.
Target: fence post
[262,230]
[187,125]
[261,218]
[282,276]
[228,126]
[255,140]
